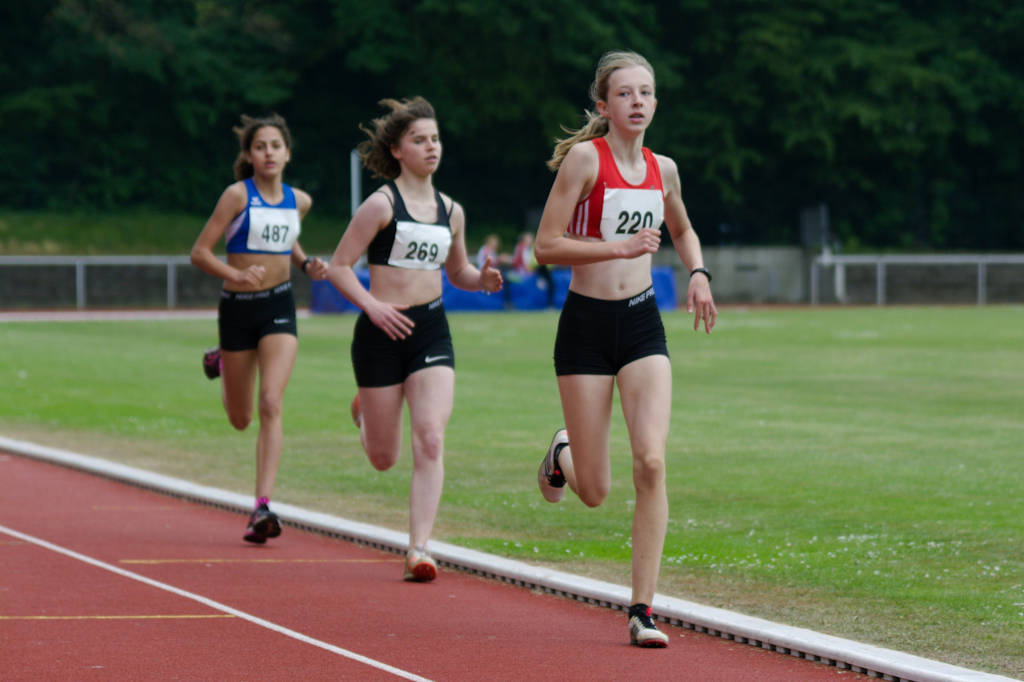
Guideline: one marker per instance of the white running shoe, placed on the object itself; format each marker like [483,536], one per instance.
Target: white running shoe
[549,475]
[419,566]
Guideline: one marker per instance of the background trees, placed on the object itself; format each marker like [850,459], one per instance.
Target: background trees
[903,116]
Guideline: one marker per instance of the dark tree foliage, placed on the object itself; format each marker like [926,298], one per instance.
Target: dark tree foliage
[902,116]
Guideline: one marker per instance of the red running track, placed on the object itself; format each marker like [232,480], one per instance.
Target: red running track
[101,580]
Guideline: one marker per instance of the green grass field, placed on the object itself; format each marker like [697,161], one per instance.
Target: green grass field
[857,471]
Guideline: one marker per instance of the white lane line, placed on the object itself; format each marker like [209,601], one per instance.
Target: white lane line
[215,605]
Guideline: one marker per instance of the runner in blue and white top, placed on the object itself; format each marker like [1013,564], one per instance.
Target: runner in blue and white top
[263,227]
[402,349]
[259,217]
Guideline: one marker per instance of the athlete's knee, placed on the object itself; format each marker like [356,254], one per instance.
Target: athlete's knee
[428,443]
[240,419]
[648,470]
[594,493]
[381,458]
[270,406]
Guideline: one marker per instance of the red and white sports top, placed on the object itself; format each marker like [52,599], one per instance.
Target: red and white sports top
[616,210]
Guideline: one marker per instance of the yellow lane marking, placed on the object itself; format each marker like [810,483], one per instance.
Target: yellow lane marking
[144,507]
[137,617]
[258,561]
[224,608]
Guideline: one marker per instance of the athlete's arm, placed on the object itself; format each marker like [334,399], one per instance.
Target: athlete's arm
[370,218]
[232,202]
[575,178]
[460,271]
[698,296]
[316,269]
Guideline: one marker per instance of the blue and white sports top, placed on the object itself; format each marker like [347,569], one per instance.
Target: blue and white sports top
[262,227]
[406,243]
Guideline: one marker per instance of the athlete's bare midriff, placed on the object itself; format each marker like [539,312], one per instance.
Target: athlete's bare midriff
[278,269]
[404,286]
[611,280]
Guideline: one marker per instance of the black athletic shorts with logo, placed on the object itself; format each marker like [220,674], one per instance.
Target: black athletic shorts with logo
[601,337]
[379,361]
[245,317]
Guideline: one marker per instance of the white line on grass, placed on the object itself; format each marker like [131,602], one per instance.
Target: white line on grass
[214,605]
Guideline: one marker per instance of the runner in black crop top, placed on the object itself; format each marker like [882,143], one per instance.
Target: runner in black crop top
[402,351]
[407,243]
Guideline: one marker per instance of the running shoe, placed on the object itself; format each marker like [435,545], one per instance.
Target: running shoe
[263,524]
[357,414]
[549,475]
[211,363]
[642,631]
[419,566]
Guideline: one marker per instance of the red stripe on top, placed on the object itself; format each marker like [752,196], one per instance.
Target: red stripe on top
[586,218]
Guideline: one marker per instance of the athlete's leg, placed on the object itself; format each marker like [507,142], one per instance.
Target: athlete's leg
[587,408]
[430,393]
[645,388]
[238,385]
[381,427]
[277,358]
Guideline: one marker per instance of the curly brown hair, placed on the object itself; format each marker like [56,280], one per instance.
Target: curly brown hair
[386,133]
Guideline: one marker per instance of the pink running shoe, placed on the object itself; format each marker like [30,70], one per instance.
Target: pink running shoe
[212,363]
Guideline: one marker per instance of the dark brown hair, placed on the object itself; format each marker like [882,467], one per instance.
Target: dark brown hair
[386,133]
[247,131]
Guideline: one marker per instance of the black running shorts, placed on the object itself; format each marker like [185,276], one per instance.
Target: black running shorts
[245,317]
[380,361]
[596,336]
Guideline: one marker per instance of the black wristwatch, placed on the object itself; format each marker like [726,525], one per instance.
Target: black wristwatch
[702,270]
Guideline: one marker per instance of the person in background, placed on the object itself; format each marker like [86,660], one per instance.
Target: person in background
[524,262]
[259,217]
[402,349]
[489,251]
[601,218]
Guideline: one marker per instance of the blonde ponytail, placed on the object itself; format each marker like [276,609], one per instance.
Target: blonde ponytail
[596,125]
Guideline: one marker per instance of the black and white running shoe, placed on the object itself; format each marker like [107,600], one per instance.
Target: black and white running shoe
[642,631]
[549,475]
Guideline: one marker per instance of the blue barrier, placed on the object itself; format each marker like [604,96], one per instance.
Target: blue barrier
[527,292]
[460,299]
[324,298]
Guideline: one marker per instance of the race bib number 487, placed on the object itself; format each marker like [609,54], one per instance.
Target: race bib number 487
[272,229]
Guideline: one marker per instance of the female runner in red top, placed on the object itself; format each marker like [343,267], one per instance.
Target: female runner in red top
[602,218]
